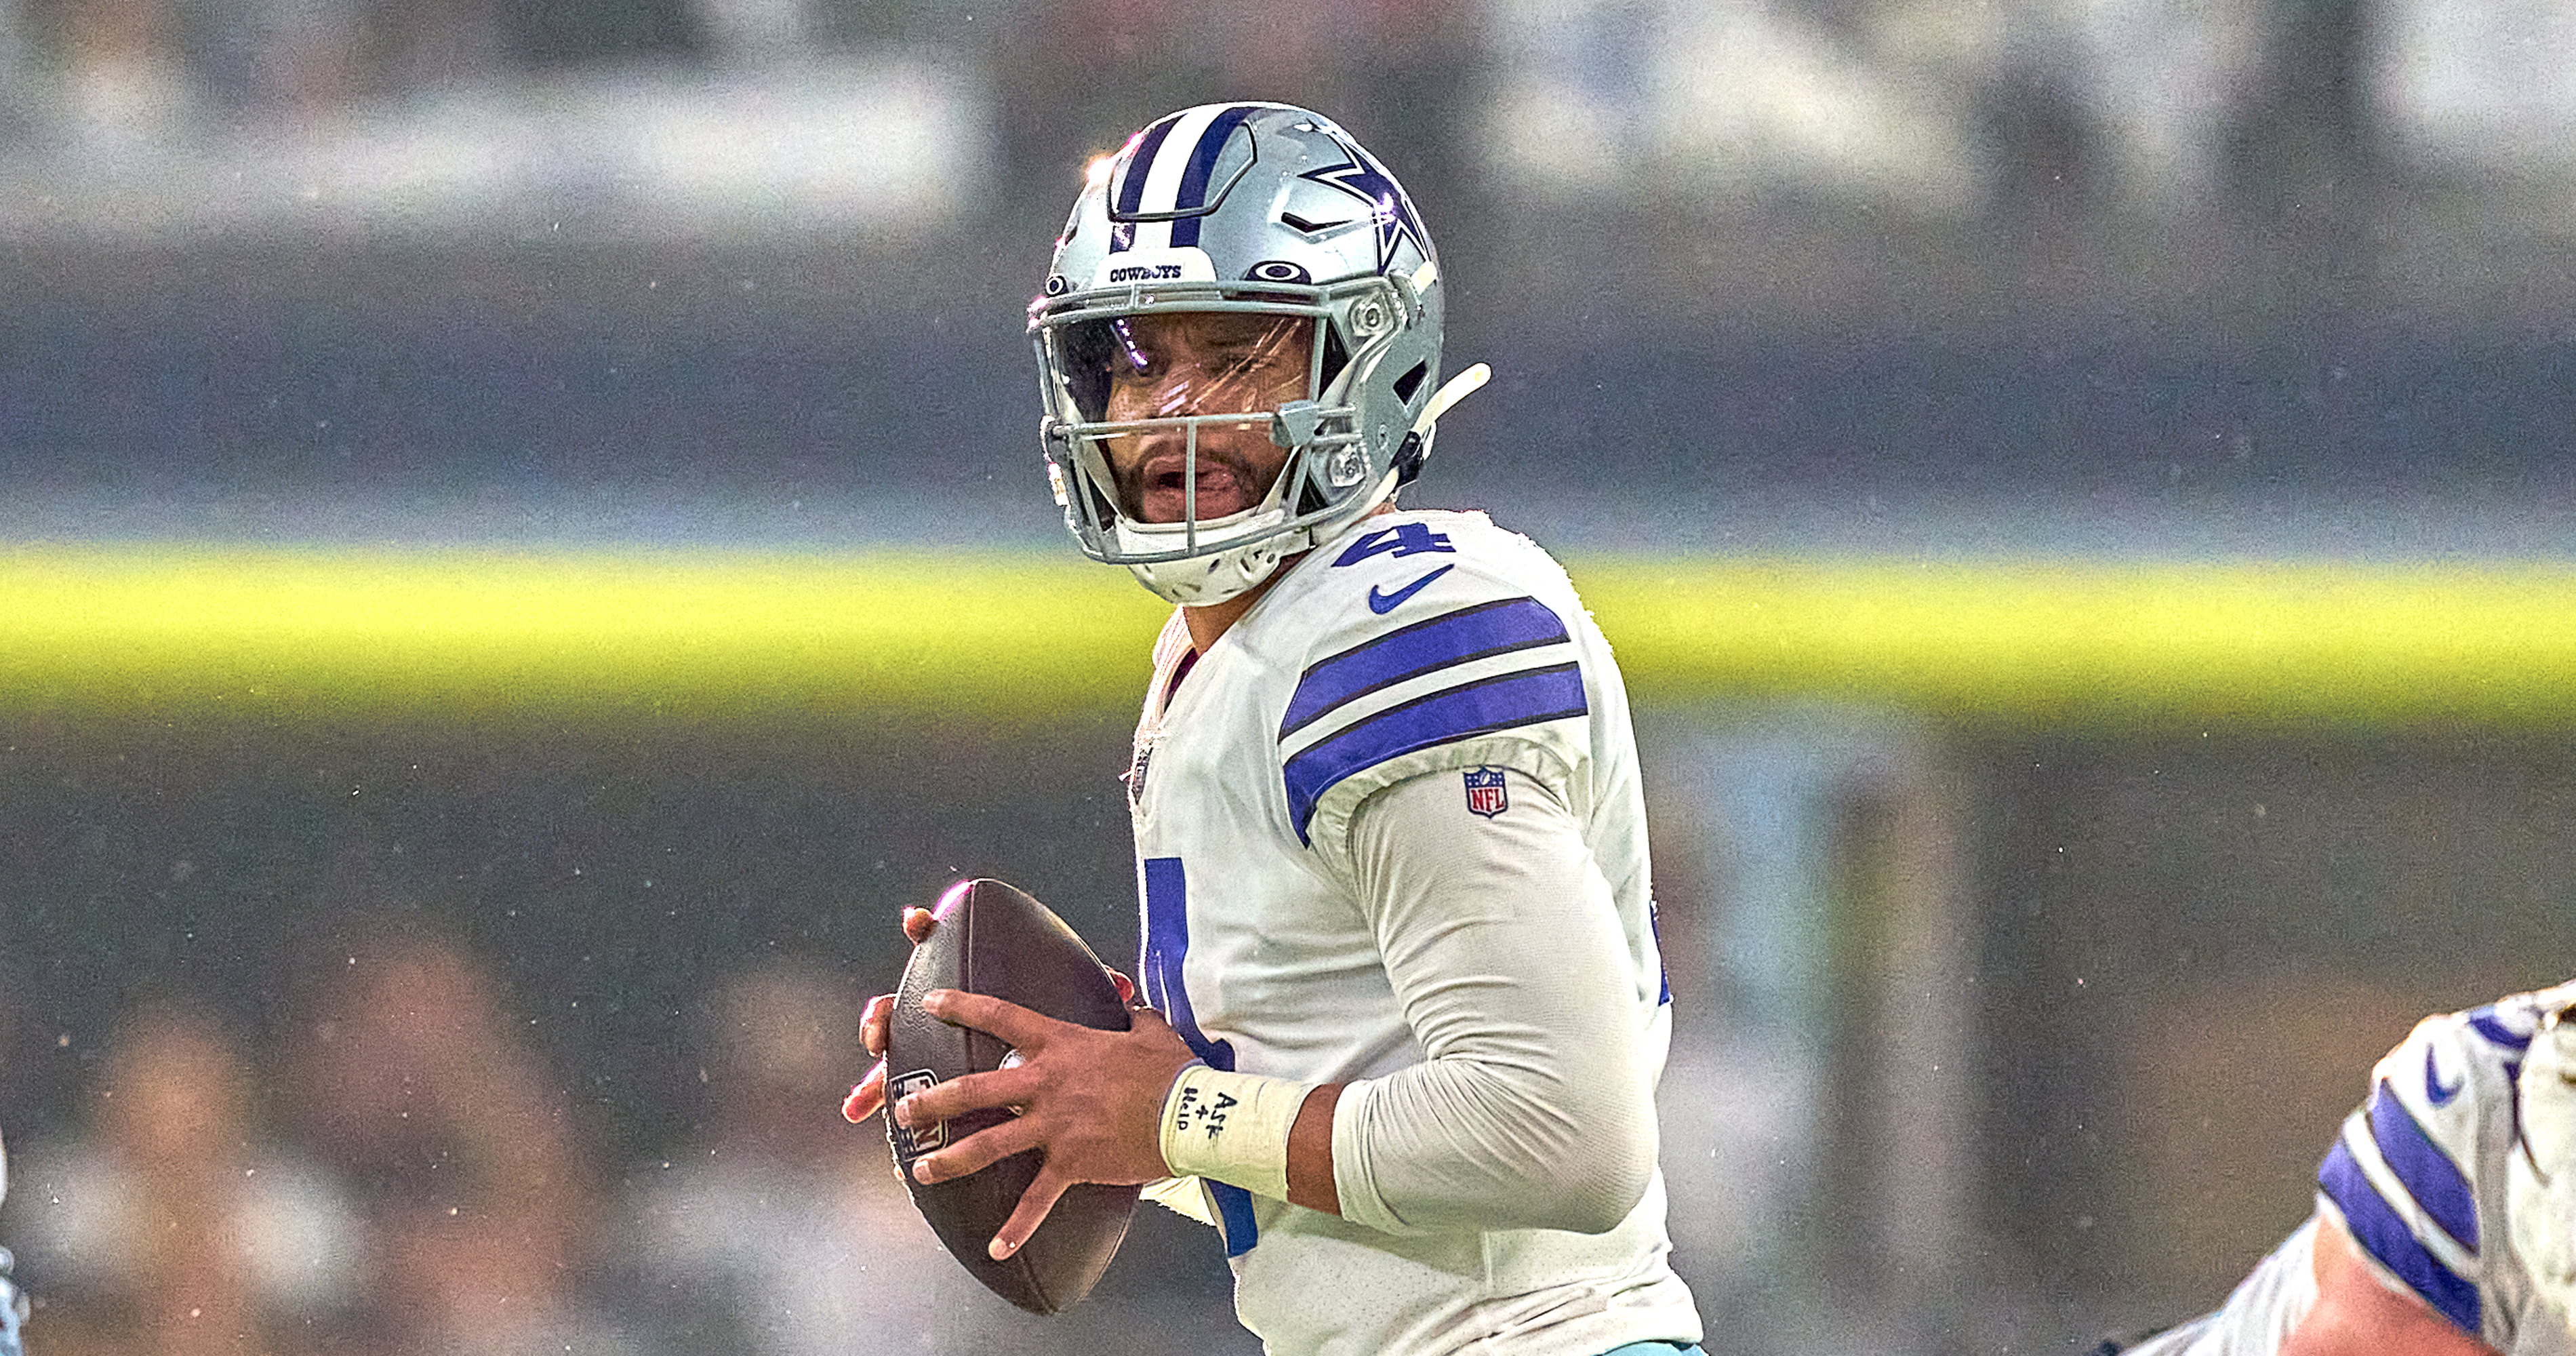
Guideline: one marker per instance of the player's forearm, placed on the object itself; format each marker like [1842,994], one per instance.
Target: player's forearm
[1310,1152]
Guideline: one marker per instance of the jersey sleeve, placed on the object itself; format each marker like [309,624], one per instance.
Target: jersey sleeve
[1534,1104]
[1474,668]
[2412,1175]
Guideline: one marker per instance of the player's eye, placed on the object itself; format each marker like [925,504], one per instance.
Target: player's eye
[1138,370]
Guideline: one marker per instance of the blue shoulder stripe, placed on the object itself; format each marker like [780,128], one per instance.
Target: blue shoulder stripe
[1504,702]
[2378,1228]
[2430,1176]
[1451,638]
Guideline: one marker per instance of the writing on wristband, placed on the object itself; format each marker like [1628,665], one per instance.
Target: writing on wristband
[1231,1127]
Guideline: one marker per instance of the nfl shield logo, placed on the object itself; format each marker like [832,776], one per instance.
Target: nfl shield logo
[1485,792]
[913,1143]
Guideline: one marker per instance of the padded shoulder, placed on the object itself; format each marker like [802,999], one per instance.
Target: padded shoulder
[1430,641]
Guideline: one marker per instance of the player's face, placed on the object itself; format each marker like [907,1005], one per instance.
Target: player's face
[1202,363]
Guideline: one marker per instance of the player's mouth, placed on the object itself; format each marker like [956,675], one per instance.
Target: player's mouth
[1163,487]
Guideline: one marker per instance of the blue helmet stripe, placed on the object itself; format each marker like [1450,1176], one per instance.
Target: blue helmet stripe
[2430,1176]
[1194,176]
[1500,703]
[1452,638]
[2379,1229]
[1140,165]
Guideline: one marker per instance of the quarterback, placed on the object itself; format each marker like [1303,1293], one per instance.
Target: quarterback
[1405,1011]
[2446,1210]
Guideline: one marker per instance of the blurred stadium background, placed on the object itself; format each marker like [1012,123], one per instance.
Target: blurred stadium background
[524,549]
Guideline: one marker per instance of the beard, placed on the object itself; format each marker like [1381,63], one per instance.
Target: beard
[1157,487]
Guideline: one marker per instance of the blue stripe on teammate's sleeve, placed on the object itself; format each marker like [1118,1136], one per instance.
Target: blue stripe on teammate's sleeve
[1501,703]
[2379,1230]
[2485,1023]
[2430,1176]
[1450,638]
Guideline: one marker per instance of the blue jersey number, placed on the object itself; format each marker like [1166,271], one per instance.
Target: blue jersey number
[1167,944]
[1404,539]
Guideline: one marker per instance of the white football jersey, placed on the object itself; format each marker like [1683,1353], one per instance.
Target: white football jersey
[1415,644]
[2417,1178]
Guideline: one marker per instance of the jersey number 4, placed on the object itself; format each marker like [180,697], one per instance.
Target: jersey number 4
[1167,945]
[1403,539]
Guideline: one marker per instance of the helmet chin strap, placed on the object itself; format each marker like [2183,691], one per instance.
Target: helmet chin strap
[1452,391]
[1417,440]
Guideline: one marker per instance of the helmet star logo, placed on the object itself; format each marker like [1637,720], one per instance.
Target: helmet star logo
[1361,177]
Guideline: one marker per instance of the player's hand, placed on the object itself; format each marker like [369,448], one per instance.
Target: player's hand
[866,1098]
[869,1095]
[1091,1099]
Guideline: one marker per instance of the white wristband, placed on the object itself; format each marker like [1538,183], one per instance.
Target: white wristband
[1232,1127]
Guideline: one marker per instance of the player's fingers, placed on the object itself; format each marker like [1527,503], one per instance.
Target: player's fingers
[864,1099]
[917,925]
[1143,1018]
[1029,1214]
[1018,1027]
[1126,988]
[955,1097]
[976,1152]
[873,1021]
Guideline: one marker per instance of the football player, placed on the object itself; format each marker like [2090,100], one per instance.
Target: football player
[2446,1210]
[1407,1011]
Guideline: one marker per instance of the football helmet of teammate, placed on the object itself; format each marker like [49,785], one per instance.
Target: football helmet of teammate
[1273,220]
[2541,1174]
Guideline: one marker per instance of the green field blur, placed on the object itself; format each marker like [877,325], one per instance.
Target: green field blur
[1006,639]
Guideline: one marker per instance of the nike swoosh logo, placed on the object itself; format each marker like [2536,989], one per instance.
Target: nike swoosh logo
[2433,1088]
[1383,603]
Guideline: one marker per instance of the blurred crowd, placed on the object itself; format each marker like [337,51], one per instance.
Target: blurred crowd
[1944,106]
[405,1176]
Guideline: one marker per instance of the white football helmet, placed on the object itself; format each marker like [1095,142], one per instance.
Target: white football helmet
[2540,1177]
[1259,208]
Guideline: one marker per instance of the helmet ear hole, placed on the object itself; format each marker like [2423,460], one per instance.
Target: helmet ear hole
[1335,358]
[1411,381]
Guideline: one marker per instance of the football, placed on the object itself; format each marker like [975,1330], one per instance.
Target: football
[994,939]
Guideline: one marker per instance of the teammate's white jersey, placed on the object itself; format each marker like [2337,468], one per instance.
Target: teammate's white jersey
[1416,645]
[2417,1178]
